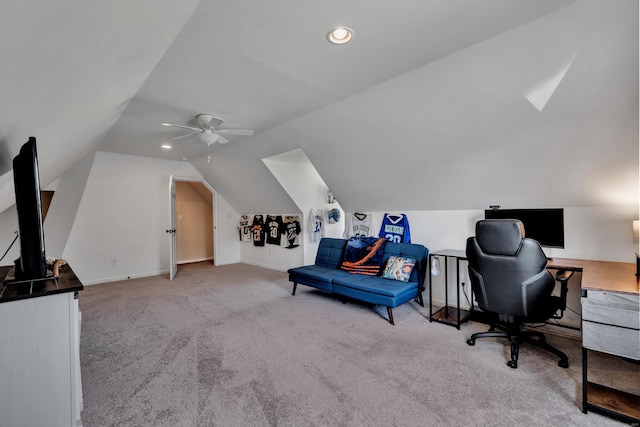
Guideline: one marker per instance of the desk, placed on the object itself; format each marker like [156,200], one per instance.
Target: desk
[610,324]
[610,297]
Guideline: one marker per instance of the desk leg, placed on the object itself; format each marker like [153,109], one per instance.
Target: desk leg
[430,288]
[458,291]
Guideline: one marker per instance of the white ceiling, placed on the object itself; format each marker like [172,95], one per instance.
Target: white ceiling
[424,109]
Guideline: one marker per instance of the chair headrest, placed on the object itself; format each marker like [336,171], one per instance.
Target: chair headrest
[499,236]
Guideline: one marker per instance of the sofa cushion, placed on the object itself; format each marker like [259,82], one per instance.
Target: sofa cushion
[315,276]
[374,284]
[398,268]
[330,252]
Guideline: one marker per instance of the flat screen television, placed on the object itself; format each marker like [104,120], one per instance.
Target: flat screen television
[32,262]
[544,225]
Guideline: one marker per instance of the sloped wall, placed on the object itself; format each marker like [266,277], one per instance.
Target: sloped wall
[119,230]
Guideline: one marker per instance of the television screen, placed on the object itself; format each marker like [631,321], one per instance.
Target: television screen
[544,225]
[32,261]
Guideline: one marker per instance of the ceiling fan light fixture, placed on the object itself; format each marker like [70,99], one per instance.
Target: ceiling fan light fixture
[208,137]
[340,35]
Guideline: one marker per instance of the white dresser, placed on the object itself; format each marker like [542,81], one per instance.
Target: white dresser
[40,355]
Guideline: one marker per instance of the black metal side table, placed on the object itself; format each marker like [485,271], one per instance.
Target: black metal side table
[450,315]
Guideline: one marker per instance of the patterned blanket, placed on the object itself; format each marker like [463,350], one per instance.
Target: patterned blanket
[363,255]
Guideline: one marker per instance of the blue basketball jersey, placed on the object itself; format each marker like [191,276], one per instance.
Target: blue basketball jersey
[395,228]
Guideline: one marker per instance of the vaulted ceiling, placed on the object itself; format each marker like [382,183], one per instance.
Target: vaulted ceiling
[434,104]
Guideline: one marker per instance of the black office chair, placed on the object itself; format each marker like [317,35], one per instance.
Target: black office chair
[509,279]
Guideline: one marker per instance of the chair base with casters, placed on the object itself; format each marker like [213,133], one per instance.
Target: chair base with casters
[516,336]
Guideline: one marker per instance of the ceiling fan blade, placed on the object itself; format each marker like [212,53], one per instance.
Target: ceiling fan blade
[181,126]
[235,132]
[222,140]
[184,136]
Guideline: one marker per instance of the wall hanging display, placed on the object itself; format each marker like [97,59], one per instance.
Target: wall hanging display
[275,229]
[395,227]
[316,225]
[244,228]
[358,225]
[292,231]
[333,216]
[257,230]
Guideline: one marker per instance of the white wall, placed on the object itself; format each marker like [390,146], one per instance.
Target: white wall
[225,228]
[8,232]
[123,216]
[595,233]
[306,188]
[64,206]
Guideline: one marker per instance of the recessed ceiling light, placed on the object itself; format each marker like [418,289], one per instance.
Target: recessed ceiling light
[166,147]
[340,35]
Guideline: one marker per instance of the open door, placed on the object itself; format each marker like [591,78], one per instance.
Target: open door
[173,255]
[174,247]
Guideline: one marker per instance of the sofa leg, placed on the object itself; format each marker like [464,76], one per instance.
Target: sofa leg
[420,300]
[295,285]
[390,313]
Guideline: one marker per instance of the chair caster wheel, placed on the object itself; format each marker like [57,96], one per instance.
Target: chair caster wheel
[563,364]
[471,342]
[512,364]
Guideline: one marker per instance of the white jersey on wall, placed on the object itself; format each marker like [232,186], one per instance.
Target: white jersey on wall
[316,225]
[358,225]
[244,227]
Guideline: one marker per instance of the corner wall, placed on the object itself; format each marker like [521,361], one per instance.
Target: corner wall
[119,230]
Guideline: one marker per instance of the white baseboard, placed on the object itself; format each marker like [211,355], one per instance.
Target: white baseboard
[190,261]
[270,267]
[121,278]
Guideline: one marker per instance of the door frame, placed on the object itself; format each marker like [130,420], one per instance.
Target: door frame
[214,212]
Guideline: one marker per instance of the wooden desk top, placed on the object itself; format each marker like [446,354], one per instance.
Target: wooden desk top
[602,275]
[596,275]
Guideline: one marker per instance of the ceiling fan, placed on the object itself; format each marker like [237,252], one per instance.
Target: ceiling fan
[208,131]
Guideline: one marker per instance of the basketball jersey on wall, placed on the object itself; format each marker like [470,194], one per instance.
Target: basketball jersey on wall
[395,228]
[358,225]
[292,231]
[244,228]
[257,230]
[316,225]
[275,229]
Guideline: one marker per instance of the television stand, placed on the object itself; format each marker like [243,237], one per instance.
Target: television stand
[10,279]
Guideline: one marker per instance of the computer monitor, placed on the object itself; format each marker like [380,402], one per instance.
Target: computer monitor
[544,225]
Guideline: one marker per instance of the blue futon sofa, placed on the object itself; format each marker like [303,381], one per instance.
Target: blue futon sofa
[327,275]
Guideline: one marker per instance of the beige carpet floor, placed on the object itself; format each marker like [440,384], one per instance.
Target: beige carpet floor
[230,346]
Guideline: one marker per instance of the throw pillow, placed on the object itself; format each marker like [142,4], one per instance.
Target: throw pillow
[398,268]
[363,255]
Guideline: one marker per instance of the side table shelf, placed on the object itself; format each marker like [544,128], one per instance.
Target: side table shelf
[607,400]
[449,314]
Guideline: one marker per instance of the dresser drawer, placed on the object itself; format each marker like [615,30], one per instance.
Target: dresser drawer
[612,308]
[611,339]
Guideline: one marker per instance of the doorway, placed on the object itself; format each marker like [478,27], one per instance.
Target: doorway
[193,215]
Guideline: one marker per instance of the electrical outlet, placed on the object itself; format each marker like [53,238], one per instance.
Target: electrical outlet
[114,262]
